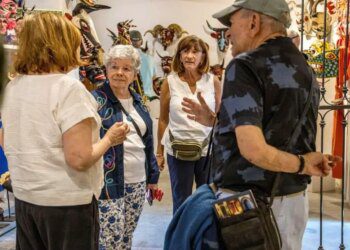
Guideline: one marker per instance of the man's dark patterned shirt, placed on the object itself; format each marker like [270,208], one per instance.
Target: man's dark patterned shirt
[268,88]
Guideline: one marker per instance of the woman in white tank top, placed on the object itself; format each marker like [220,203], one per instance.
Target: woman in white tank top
[190,76]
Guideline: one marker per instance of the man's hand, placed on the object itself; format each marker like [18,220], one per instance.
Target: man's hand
[199,112]
[318,164]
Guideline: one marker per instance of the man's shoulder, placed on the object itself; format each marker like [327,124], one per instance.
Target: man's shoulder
[245,60]
[273,48]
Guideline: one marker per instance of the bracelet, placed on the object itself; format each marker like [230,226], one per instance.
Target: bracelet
[302,164]
[159,154]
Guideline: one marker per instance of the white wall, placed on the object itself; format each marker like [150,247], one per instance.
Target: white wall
[191,15]
[47,4]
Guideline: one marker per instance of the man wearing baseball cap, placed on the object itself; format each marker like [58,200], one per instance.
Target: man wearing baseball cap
[266,88]
[148,67]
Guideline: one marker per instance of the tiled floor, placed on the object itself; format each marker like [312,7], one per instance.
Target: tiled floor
[149,234]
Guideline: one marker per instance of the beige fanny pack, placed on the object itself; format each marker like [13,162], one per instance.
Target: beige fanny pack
[188,149]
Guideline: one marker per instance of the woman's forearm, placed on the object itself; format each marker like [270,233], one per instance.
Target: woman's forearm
[99,149]
[85,158]
[161,129]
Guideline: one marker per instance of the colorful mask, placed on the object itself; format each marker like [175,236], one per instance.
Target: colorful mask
[93,72]
[218,69]
[157,85]
[315,59]
[123,33]
[314,20]
[219,35]
[166,36]
[84,22]
[91,50]
[166,62]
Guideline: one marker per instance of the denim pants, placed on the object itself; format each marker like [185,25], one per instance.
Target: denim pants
[182,174]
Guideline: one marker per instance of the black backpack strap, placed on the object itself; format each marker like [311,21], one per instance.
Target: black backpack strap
[207,158]
[293,137]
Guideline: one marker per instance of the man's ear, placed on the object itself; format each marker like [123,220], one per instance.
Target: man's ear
[255,21]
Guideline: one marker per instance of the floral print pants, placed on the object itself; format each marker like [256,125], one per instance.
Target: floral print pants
[119,217]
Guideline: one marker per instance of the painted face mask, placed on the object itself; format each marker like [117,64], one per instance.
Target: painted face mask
[313,22]
[86,26]
[157,85]
[219,35]
[123,36]
[91,51]
[315,59]
[166,36]
[166,62]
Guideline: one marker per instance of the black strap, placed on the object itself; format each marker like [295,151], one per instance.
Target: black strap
[207,158]
[293,137]
[129,118]
[289,143]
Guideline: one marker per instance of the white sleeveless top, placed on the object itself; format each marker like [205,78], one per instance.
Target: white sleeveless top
[180,126]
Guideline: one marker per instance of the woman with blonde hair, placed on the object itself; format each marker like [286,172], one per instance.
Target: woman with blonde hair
[51,140]
[187,142]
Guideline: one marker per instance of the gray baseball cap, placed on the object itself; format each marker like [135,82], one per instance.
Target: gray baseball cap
[277,9]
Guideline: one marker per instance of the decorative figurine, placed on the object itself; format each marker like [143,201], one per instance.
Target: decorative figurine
[92,75]
[166,36]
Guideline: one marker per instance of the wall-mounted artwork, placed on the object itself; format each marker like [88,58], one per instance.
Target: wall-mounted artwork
[166,62]
[166,36]
[93,74]
[123,36]
[219,35]
[315,59]
[314,17]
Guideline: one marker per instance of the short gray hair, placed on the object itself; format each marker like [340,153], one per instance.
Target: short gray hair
[273,24]
[123,52]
